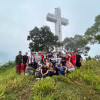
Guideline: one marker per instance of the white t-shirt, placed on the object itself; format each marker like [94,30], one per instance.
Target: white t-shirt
[38,57]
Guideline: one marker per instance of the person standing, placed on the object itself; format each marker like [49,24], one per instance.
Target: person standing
[78,59]
[67,56]
[30,62]
[42,57]
[38,58]
[19,62]
[73,58]
[53,59]
[25,58]
[45,55]
[63,60]
[50,56]
[35,62]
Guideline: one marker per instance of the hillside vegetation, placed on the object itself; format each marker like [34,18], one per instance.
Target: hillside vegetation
[81,84]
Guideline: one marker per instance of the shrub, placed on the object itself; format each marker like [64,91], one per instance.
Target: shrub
[62,79]
[43,88]
[2,91]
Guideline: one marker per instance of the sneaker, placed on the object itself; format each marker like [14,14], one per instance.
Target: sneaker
[37,79]
[26,74]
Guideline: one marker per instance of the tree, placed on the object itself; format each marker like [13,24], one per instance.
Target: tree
[42,39]
[97,57]
[76,43]
[92,34]
[89,58]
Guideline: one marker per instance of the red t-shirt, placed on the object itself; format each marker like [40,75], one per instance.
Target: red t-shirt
[73,57]
[42,56]
[67,57]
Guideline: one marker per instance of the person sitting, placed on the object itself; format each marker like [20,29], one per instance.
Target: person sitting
[57,68]
[44,71]
[38,71]
[51,70]
[69,66]
[62,69]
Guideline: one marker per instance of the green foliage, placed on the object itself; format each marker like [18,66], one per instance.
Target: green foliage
[81,84]
[11,82]
[10,96]
[92,34]
[61,79]
[6,66]
[42,39]
[86,74]
[43,88]
[2,91]
[88,58]
[97,57]
[76,43]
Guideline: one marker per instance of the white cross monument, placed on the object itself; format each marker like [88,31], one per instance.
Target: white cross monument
[58,20]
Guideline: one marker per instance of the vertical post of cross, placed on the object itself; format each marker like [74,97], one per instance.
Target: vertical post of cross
[58,24]
[58,20]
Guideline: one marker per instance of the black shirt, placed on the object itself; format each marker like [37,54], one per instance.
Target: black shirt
[49,56]
[44,69]
[19,59]
[63,61]
[78,58]
[25,59]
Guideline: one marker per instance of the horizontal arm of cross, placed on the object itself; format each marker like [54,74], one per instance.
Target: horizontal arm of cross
[51,18]
[64,21]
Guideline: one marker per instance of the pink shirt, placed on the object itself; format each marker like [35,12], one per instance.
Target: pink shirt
[69,65]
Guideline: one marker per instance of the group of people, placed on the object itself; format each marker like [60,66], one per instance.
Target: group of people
[43,64]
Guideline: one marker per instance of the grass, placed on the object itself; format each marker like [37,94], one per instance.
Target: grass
[81,84]
[10,82]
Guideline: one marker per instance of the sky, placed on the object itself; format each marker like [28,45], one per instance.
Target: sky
[18,17]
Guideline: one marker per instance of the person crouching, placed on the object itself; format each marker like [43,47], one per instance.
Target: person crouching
[38,71]
[69,67]
[44,71]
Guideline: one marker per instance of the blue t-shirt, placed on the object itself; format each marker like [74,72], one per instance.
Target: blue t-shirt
[59,66]
[63,68]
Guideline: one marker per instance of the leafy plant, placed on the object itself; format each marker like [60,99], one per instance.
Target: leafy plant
[44,87]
